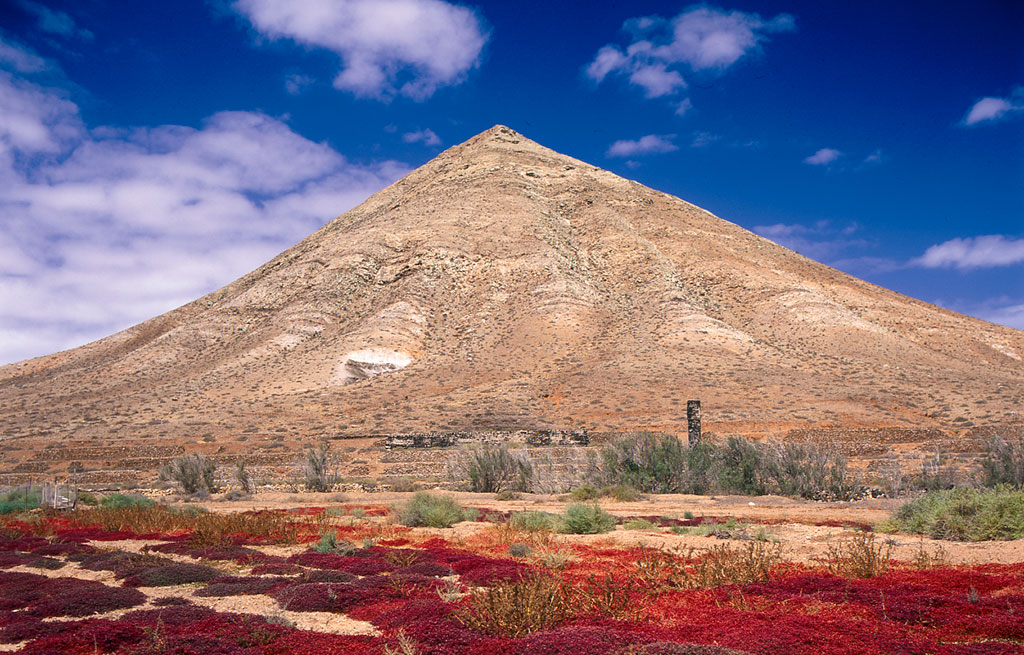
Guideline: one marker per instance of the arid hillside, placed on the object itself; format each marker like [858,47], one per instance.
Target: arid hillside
[506,286]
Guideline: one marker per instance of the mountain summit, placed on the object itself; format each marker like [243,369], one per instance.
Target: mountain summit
[504,285]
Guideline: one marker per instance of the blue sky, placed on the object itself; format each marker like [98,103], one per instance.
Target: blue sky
[153,152]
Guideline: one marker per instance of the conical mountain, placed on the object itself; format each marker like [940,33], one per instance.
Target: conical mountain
[504,285]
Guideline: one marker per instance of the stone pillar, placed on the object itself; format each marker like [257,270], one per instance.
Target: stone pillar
[693,421]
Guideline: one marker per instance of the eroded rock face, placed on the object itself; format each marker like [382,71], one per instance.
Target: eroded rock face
[364,364]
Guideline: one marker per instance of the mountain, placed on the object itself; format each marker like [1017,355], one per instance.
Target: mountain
[503,285]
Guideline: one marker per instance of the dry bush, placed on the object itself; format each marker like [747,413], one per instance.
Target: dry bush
[519,608]
[561,475]
[660,570]
[275,526]
[930,559]
[610,597]
[862,556]
[725,565]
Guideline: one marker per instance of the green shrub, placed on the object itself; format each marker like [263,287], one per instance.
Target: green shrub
[88,499]
[193,472]
[584,493]
[741,467]
[121,501]
[491,470]
[963,514]
[432,510]
[316,468]
[639,524]
[329,543]
[15,506]
[1004,463]
[534,521]
[620,492]
[20,499]
[649,462]
[586,519]
[243,478]
[519,550]
[507,495]
[809,471]
[404,485]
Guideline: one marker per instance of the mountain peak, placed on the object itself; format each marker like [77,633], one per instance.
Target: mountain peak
[502,286]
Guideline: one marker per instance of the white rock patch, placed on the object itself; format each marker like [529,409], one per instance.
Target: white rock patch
[363,364]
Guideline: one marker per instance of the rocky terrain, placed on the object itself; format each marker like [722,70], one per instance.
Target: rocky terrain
[504,286]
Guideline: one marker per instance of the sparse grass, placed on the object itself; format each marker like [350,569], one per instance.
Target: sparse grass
[963,514]
[711,528]
[329,543]
[518,608]
[862,556]
[639,524]
[432,510]
[586,519]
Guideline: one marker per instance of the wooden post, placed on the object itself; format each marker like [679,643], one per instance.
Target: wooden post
[693,421]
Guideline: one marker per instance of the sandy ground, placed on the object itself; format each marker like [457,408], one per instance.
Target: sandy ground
[791,521]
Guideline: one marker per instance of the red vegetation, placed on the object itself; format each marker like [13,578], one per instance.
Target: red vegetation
[799,611]
[39,596]
[170,575]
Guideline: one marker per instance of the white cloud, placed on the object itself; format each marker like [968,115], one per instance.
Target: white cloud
[822,241]
[987,251]
[703,139]
[823,157]
[387,47]
[647,145]
[701,39]
[104,228]
[295,83]
[875,158]
[426,137]
[1008,315]
[53,21]
[991,110]
[20,58]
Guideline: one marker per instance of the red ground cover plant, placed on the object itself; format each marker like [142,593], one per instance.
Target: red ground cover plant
[170,575]
[277,568]
[36,595]
[223,552]
[800,610]
[243,585]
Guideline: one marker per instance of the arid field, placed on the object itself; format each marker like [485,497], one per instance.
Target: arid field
[323,573]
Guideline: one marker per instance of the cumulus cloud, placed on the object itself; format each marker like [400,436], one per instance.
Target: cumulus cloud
[387,47]
[106,227]
[426,137]
[701,39]
[987,251]
[823,157]
[646,145]
[991,110]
